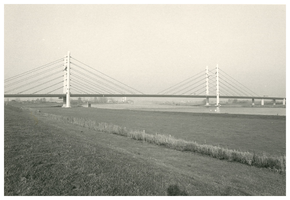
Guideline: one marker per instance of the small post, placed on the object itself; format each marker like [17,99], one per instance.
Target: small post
[274,102]
[284,102]
[206,86]
[217,86]
[253,101]
[262,102]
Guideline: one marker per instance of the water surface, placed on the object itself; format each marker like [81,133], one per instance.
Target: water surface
[198,109]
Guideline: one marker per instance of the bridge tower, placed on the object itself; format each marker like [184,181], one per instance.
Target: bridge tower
[66,81]
[206,85]
[217,86]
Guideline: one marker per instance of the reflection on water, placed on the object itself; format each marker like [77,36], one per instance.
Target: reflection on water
[197,109]
[217,110]
[252,110]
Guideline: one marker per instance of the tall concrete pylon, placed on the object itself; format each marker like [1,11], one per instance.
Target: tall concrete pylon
[66,81]
[217,86]
[207,85]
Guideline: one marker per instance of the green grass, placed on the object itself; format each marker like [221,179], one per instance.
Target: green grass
[48,157]
[254,133]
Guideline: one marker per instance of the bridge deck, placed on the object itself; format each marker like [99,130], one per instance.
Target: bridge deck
[141,95]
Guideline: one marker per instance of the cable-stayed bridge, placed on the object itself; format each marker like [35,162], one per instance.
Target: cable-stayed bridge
[69,77]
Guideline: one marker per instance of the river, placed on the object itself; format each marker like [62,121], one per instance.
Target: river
[259,110]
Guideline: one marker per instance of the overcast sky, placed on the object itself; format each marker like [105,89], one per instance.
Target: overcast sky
[151,47]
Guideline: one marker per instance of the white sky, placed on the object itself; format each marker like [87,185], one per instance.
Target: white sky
[151,47]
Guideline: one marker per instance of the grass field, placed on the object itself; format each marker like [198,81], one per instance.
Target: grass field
[46,157]
[254,133]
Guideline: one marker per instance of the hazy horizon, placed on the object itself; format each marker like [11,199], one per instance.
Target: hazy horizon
[152,47]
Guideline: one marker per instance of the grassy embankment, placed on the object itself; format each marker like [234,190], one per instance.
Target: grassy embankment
[48,157]
[44,160]
[253,133]
[277,163]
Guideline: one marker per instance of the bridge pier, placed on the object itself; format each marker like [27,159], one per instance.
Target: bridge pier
[207,101]
[63,102]
[284,102]
[274,102]
[253,101]
[262,102]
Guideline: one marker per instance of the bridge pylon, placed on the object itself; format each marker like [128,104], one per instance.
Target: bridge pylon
[207,85]
[66,81]
[217,86]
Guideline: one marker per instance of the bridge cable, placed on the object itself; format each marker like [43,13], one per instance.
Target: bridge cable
[188,85]
[33,70]
[104,84]
[47,87]
[104,79]
[32,82]
[39,85]
[107,75]
[83,88]
[80,92]
[182,85]
[198,90]
[85,85]
[237,88]
[175,85]
[55,90]
[89,87]
[190,88]
[227,91]
[192,84]
[77,87]
[30,77]
[233,86]
[212,86]
[93,88]
[201,92]
[91,83]
[239,82]
[232,91]
[193,88]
